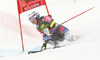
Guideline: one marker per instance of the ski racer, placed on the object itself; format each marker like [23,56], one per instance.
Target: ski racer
[52,32]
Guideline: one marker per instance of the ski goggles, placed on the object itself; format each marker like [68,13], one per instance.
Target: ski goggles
[32,18]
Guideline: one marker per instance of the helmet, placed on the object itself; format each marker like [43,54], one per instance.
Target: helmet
[34,15]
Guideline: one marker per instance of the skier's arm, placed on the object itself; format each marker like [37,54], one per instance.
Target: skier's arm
[51,23]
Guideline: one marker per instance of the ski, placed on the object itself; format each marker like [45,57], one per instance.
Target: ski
[43,50]
[34,51]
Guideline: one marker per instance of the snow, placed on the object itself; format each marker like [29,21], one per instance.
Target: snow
[86,26]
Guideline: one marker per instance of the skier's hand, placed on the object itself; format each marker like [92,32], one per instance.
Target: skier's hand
[46,31]
[50,15]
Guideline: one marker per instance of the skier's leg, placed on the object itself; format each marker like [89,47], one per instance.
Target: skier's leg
[69,37]
[47,40]
[50,41]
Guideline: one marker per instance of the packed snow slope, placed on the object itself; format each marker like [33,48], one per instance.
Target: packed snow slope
[87,26]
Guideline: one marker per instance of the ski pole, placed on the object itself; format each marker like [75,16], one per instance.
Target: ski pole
[77,15]
[74,17]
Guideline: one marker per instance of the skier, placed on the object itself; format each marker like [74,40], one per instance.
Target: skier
[52,32]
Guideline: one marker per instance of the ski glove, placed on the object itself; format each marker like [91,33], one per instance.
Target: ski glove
[46,31]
